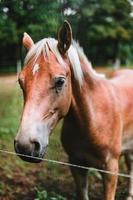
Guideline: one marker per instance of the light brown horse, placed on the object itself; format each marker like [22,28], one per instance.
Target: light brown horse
[58,82]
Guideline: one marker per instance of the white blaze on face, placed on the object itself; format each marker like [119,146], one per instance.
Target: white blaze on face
[35,68]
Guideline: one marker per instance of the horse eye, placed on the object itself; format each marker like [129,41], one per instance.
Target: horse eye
[59,82]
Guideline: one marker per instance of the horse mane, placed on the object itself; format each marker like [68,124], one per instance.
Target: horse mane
[75,55]
[81,53]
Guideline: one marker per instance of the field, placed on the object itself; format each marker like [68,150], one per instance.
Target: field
[43,181]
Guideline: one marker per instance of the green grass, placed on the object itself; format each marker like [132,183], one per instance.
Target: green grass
[42,194]
[10,109]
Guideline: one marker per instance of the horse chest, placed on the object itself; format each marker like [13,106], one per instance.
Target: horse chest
[78,147]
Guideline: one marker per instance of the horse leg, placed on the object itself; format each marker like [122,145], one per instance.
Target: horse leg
[81,180]
[109,180]
[129,162]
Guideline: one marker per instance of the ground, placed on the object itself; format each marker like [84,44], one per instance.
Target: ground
[24,181]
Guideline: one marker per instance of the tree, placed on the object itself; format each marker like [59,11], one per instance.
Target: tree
[39,18]
[107,27]
[104,28]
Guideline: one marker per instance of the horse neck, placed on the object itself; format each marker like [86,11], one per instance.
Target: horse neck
[81,104]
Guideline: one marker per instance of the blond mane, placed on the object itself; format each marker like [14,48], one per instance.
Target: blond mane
[75,54]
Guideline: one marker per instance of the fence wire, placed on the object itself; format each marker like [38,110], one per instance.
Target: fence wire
[68,164]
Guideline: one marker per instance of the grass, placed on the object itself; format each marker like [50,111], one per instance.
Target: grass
[43,194]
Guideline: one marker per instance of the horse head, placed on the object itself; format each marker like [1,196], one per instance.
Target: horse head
[46,84]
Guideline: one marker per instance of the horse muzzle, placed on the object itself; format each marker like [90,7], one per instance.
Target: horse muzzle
[31,151]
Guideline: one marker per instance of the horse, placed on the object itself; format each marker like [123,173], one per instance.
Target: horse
[58,82]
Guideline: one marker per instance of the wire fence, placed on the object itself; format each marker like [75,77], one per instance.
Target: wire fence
[67,164]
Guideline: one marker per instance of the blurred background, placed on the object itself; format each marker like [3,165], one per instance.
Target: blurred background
[104,28]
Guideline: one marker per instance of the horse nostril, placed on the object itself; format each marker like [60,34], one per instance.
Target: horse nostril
[15,145]
[36,145]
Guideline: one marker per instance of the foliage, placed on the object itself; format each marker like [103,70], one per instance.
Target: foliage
[103,27]
[39,18]
[43,195]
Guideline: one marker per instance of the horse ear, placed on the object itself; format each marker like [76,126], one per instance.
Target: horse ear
[27,41]
[64,37]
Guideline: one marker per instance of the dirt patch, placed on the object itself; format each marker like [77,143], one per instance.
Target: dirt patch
[8,79]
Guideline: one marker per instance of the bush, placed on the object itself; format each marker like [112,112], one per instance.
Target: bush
[43,195]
